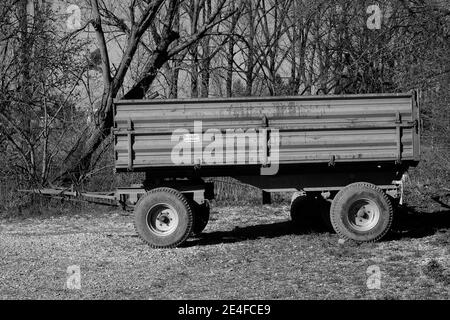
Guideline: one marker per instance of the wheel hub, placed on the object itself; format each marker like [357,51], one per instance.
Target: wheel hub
[363,215]
[162,219]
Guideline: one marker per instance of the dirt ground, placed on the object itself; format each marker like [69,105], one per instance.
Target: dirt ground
[246,252]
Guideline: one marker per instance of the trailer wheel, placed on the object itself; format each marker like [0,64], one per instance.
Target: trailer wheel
[302,210]
[201,217]
[324,210]
[163,218]
[361,212]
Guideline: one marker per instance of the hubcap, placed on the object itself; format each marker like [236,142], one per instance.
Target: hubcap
[363,215]
[162,219]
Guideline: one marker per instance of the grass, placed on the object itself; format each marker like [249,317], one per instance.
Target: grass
[246,252]
[435,270]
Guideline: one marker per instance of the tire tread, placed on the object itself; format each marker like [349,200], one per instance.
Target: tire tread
[180,197]
[336,204]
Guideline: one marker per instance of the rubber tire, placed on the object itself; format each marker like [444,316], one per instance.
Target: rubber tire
[201,216]
[345,197]
[173,198]
[302,211]
[324,210]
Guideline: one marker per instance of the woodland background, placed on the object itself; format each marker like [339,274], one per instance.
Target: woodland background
[63,62]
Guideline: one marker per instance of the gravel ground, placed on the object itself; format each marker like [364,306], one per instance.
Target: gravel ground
[246,252]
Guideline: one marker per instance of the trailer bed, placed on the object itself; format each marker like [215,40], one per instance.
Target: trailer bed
[312,129]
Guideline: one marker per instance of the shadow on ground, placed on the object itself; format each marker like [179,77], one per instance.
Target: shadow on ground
[408,223]
[238,234]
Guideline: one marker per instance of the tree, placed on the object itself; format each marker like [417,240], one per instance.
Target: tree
[159,15]
[206,47]
[39,72]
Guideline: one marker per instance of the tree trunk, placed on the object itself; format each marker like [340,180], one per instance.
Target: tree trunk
[206,59]
[175,70]
[194,73]
[251,51]
[78,160]
[230,61]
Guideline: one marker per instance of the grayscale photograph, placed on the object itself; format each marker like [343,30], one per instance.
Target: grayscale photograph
[223,156]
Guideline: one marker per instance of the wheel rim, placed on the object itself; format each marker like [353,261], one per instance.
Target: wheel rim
[162,219]
[363,215]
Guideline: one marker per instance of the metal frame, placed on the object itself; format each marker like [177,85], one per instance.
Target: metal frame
[153,127]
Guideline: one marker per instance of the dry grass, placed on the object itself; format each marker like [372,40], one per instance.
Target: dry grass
[246,252]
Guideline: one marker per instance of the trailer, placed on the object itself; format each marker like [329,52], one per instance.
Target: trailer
[350,151]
